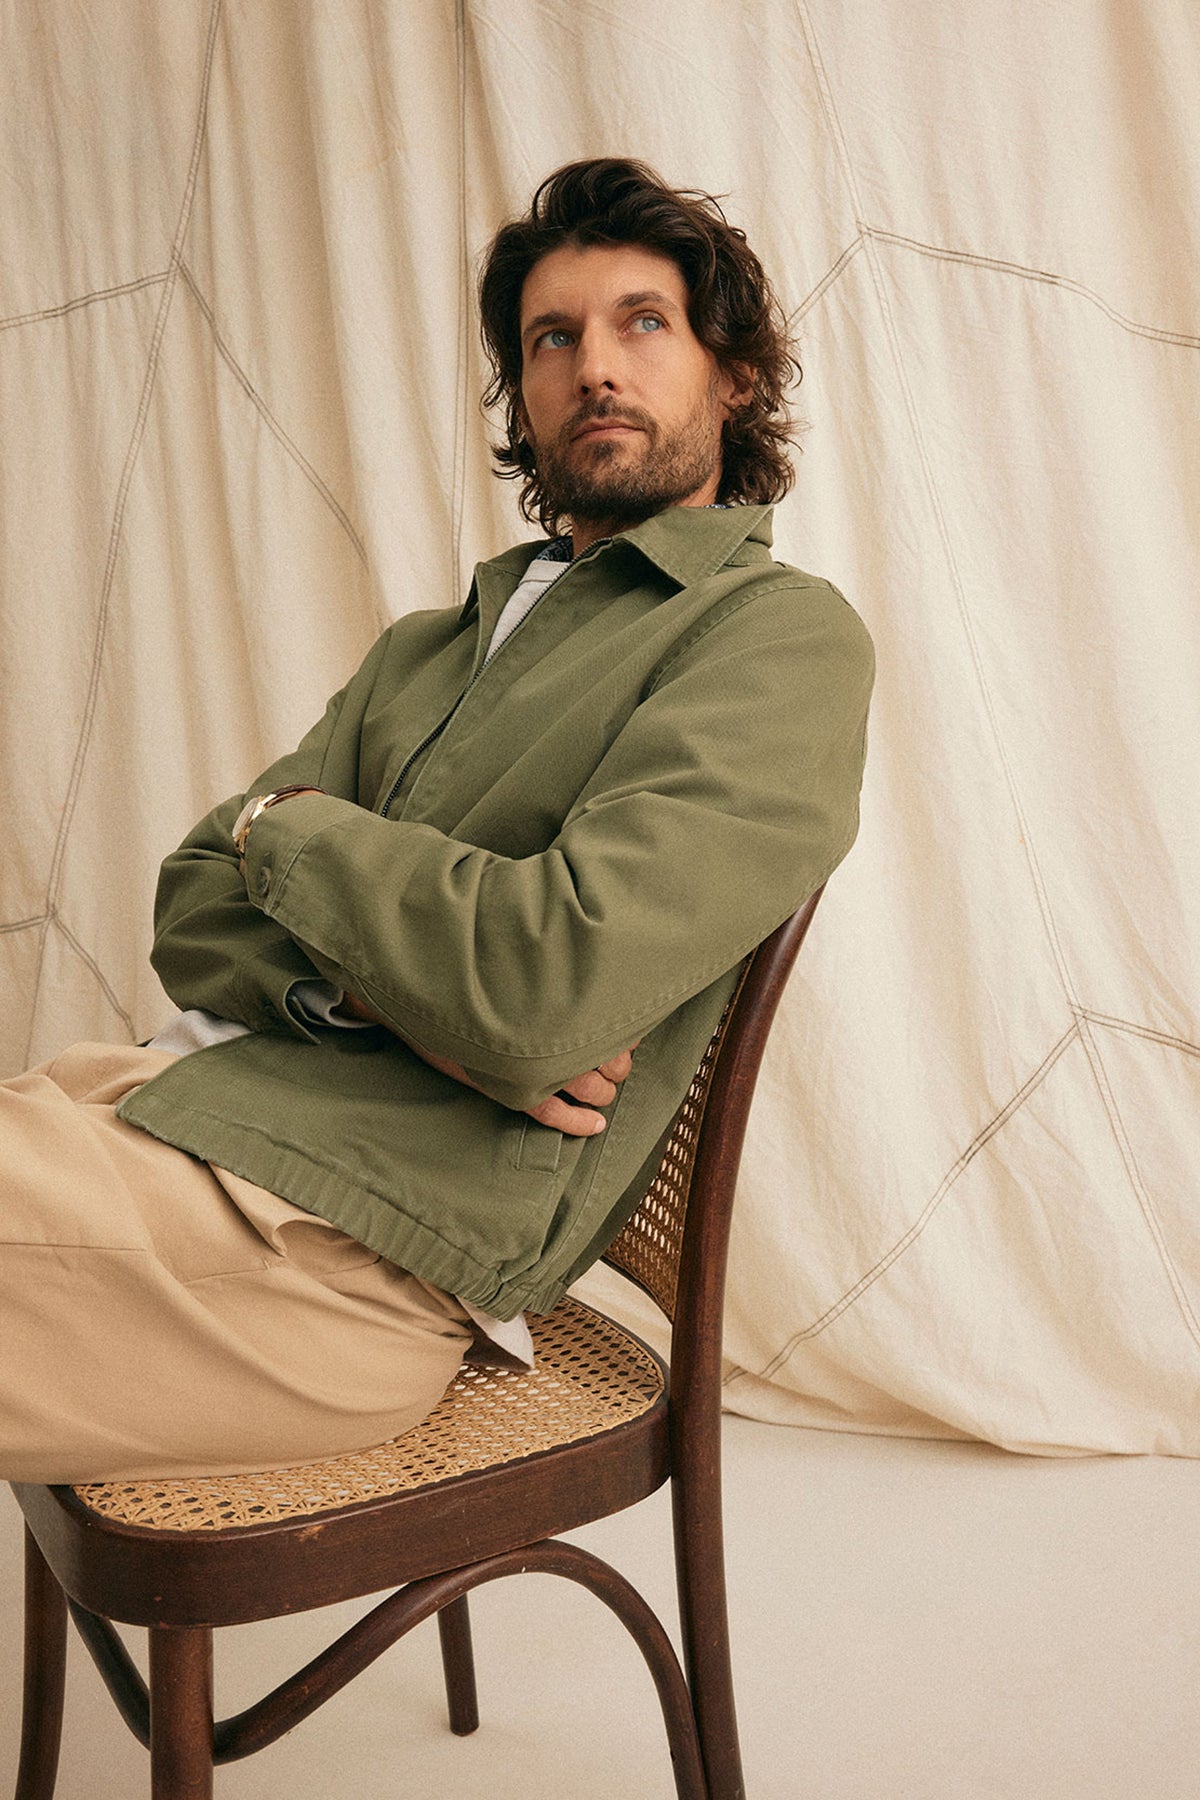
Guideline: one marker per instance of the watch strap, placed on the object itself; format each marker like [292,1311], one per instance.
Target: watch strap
[257,805]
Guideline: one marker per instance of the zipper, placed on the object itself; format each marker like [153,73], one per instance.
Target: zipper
[489,658]
[423,745]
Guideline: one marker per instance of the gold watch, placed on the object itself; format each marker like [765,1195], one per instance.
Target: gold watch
[257,804]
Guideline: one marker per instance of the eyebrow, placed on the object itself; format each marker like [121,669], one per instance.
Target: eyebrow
[626,303]
[543,322]
[647,297]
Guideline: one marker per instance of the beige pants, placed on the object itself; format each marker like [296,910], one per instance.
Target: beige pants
[162,1317]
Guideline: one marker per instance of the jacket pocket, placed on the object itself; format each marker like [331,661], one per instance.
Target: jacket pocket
[537,1147]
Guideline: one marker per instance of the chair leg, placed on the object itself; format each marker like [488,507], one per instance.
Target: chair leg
[458,1665]
[45,1676]
[181,1713]
[704,1618]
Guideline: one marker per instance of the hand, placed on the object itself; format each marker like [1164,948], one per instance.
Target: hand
[595,1087]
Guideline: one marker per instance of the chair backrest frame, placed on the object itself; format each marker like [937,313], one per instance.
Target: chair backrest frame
[694,1407]
[704,1254]
[690,1290]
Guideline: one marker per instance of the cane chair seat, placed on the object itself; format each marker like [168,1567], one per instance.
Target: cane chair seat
[590,1376]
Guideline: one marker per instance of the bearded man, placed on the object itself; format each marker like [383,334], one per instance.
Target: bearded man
[446,970]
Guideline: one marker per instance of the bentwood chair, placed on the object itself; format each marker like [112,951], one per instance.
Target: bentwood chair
[502,1465]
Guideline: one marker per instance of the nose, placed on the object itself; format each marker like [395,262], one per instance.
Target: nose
[597,364]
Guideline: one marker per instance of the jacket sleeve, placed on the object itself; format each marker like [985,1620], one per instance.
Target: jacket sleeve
[728,796]
[214,948]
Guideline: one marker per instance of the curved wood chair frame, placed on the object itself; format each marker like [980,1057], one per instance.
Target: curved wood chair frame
[88,1553]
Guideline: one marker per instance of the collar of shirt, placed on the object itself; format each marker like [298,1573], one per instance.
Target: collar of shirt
[685,542]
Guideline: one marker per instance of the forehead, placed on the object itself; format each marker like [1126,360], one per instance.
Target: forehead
[577,277]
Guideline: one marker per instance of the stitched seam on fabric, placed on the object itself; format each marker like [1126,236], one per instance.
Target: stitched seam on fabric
[102,981]
[92,1249]
[369,985]
[721,558]
[685,648]
[268,417]
[1142,1031]
[670,999]
[934,496]
[23,924]
[114,542]
[834,274]
[265,1266]
[998,265]
[1026,272]
[1136,1180]
[1041,892]
[982,1137]
[611,1111]
[333,1166]
[92,299]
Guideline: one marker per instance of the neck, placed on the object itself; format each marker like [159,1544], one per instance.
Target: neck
[586,532]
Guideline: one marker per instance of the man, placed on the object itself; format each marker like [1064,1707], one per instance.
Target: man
[446,970]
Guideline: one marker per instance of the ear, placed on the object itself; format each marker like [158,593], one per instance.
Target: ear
[736,387]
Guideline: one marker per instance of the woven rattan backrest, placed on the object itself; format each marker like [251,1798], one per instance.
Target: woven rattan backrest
[649,1247]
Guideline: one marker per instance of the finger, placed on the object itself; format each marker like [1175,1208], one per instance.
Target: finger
[592,1087]
[617,1067]
[355,1008]
[573,1121]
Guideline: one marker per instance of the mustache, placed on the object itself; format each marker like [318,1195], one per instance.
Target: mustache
[607,412]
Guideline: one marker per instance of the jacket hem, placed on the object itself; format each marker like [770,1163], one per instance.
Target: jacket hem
[374,1219]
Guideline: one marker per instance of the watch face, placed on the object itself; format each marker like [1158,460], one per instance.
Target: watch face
[259,804]
[242,823]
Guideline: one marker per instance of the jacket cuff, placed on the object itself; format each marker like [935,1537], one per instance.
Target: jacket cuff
[279,832]
[263,986]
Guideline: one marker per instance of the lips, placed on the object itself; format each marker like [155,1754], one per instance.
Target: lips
[603,427]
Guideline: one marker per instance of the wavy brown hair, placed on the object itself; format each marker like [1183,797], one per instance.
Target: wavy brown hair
[732,309]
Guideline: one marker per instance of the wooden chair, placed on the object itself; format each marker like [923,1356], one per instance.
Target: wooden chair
[504,1463]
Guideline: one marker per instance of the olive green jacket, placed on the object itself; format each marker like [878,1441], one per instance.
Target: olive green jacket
[524,867]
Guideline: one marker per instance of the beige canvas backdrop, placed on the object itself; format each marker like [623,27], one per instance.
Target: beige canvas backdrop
[238,379]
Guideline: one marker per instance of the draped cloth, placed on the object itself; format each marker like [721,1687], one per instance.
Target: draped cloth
[238,378]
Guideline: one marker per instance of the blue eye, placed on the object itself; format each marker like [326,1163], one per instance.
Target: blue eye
[647,322]
[556,338]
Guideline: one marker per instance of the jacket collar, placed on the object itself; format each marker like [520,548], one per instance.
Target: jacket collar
[685,542]
[689,542]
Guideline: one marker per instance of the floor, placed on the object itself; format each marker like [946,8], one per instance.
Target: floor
[912,1621]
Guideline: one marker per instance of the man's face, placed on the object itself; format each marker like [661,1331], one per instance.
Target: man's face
[621,401]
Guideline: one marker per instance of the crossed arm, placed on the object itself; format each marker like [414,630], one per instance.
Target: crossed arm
[729,792]
[570,1110]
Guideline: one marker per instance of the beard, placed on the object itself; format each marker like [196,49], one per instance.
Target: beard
[621,483]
